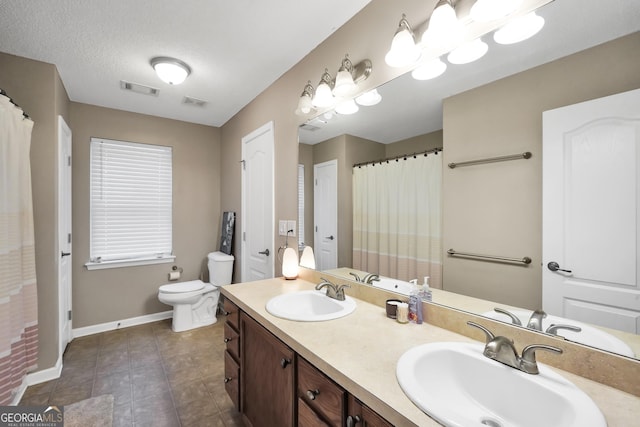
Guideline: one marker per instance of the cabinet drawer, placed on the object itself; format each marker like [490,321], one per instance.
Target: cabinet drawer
[307,417]
[233,314]
[232,379]
[232,339]
[324,396]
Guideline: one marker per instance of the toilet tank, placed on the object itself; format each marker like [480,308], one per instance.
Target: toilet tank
[220,268]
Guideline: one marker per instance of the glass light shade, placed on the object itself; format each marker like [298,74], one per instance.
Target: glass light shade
[444,28]
[304,105]
[171,71]
[308,259]
[404,50]
[468,52]
[290,264]
[345,85]
[369,98]
[323,97]
[347,107]
[490,10]
[429,70]
[519,29]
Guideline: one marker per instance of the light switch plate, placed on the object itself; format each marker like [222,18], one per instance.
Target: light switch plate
[291,225]
[282,227]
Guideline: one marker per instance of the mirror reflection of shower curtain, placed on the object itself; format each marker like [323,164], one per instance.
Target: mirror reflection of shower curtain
[18,296]
[397,218]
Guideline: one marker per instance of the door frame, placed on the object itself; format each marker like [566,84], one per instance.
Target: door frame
[266,128]
[64,190]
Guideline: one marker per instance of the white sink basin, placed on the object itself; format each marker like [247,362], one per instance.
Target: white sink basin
[589,335]
[393,285]
[309,306]
[458,386]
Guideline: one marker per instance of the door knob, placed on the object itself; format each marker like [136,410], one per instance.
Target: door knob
[554,266]
[65,254]
[330,237]
[265,252]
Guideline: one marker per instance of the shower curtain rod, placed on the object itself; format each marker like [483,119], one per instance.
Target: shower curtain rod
[24,114]
[396,158]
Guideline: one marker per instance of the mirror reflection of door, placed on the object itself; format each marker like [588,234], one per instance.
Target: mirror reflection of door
[591,211]
[325,214]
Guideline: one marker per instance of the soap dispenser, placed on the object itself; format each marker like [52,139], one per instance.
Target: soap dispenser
[425,292]
[415,303]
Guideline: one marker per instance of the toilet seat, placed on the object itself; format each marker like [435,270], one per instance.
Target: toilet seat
[178,288]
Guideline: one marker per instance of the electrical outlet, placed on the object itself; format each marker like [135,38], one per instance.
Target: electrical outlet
[282,228]
[291,225]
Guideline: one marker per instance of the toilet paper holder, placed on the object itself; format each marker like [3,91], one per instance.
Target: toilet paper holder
[175,273]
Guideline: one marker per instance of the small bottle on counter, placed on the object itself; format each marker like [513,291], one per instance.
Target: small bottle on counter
[415,304]
[425,292]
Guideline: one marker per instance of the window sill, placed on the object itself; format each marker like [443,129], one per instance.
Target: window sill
[128,263]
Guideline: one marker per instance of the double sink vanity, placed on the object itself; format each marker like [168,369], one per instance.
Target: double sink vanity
[296,356]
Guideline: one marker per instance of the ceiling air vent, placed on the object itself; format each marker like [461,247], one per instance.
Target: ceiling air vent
[308,127]
[138,88]
[187,100]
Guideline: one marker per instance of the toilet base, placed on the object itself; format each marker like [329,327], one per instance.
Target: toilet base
[191,316]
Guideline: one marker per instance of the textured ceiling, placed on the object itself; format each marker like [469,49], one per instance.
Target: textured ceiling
[235,48]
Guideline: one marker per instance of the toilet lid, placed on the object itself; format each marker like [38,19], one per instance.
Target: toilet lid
[176,288]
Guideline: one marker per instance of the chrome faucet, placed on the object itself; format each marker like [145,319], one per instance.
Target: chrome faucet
[501,349]
[356,277]
[535,321]
[370,278]
[333,291]
[514,319]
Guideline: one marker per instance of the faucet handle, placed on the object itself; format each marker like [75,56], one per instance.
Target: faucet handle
[553,329]
[535,321]
[514,319]
[356,277]
[488,333]
[528,361]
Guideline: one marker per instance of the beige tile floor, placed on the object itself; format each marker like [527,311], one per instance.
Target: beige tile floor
[157,377]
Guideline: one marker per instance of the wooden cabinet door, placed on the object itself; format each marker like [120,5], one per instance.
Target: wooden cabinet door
[360,415]
[268,388]
[326,398]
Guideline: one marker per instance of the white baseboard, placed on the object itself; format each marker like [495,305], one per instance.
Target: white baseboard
[117,324]
[54,372]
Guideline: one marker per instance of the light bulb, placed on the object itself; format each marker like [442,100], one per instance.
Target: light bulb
[429,70]
[468,52]
[519,29]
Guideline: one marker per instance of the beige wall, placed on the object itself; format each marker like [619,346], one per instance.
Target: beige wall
[419,143]
[37,88]
[113,294]
[497,208]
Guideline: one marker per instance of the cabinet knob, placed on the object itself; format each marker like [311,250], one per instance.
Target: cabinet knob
[311,394]
[226,313]
[353,420]
[227,379]
[227,340]
[284,362]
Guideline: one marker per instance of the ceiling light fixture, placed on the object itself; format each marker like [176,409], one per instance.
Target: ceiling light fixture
[468,52]
[304,103]
[429,70]
[369,98]
[521,28]
[491,10]
[403,51]
[170,70]
[323,97]
[444,29]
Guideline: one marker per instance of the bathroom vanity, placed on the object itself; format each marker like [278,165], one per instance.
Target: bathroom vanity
[342,371]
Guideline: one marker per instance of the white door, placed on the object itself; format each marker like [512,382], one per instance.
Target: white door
[257,204]
[591,208]
[64,234]
[325,214]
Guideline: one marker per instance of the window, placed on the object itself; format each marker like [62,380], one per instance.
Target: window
[131,204]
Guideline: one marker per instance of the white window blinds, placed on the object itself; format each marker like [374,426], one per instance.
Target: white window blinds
[131,201]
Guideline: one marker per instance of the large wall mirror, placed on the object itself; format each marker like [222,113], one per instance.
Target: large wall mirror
[409,119]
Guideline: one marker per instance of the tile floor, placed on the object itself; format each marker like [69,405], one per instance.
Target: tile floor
[157,377]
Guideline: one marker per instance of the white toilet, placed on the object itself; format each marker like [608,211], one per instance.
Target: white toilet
[195,303]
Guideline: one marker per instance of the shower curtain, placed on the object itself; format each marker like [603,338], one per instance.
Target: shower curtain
[18,300]
[397,229]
